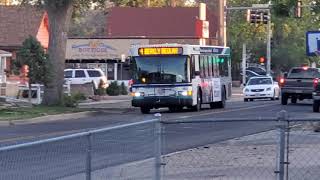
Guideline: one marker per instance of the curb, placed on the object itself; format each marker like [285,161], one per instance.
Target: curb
[61,117]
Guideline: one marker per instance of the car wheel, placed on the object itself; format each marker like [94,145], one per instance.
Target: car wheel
[316,105]
[245,100]
[145,110]
[294,100]
[284,99]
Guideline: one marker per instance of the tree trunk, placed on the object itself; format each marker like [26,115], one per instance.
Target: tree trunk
[59,18]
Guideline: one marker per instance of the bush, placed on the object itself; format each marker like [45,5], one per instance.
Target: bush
[101,90]
[123,89]
[73,100]
[113,89]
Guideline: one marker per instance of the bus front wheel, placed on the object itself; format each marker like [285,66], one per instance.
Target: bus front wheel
[145,110]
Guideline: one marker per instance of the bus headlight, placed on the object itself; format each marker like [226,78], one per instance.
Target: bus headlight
[137,94]
[185,93]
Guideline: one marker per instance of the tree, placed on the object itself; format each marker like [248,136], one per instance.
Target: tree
[33,55]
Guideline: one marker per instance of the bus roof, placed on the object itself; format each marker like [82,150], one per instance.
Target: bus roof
[179,49]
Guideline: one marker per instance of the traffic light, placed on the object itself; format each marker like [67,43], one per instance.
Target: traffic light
[261,60]
[257,16]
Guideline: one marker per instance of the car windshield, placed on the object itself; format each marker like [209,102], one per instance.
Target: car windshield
[160,70]
[304,73]
[260,81]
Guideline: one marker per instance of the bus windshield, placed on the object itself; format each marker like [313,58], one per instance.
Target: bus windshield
[160,70]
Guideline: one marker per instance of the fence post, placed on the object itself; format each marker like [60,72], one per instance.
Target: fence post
[88,159]
[158,147]
[283,117]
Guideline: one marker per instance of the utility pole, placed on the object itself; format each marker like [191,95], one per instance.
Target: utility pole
[244,63]
[269,43]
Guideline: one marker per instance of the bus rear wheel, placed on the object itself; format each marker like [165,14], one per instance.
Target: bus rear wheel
[222,103]
[145,110]
[197,107]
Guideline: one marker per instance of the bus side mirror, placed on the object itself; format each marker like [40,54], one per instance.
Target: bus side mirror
[197,73]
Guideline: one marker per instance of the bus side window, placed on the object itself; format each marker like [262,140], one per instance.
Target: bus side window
[206,66]
[210,66]
[202,74]
[216,66]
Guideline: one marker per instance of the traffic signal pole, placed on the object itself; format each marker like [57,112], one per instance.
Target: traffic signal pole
[269,43]
[267,8]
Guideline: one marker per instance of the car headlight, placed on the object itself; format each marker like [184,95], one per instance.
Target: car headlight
[246,90]
[269,89]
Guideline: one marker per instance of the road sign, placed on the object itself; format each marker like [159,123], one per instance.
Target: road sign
[313,43]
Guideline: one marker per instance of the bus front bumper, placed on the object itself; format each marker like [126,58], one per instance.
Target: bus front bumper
[156,102]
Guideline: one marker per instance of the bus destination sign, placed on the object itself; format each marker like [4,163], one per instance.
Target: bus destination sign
[149,51]
[213,50]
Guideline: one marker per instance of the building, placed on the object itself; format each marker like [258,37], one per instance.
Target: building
[162,25]
[16,24]
[129,26]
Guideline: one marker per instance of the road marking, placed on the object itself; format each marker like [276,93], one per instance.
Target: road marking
[226,111]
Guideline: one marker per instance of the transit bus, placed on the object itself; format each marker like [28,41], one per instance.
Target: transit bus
[179,75]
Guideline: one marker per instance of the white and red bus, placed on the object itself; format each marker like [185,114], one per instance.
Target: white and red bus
[179,75]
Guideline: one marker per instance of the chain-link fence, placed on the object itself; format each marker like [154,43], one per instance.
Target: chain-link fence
[265,148]
[122,152]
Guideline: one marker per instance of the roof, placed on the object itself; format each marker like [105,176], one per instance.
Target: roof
[17,23]
[157,22]
[5,53]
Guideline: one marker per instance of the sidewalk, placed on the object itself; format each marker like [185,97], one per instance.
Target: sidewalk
[120,103]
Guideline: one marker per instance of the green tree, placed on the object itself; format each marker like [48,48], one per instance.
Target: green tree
[288,34]
[60,13]
[33,55]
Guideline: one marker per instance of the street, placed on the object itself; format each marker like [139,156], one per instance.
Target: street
[133,143]
[236,108]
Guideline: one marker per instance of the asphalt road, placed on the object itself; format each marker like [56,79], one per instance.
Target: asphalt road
[129,144]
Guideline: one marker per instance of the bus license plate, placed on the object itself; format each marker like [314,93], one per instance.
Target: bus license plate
[161,92]
[298,91]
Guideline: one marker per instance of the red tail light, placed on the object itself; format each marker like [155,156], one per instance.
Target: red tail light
[282,81]
[315,82]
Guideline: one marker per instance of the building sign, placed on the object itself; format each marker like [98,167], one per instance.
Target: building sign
[100,48]
[202,29]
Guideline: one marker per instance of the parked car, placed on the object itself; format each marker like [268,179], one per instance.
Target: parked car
[250,74]
[261,87]
[83,76]
[257,70]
